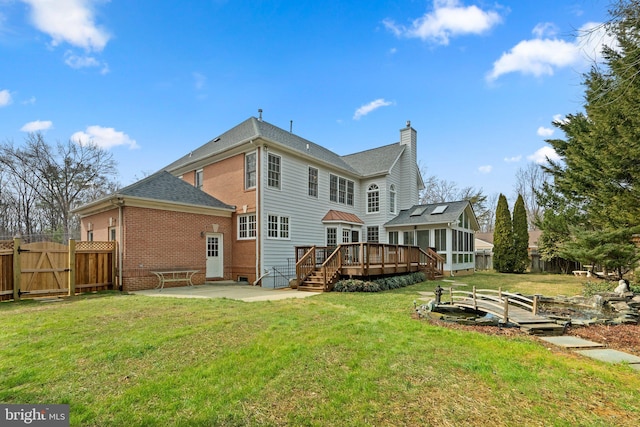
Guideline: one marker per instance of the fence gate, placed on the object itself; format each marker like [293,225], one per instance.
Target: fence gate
[44,268]
[48,268]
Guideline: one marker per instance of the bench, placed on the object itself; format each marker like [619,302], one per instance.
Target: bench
[580,273]
[166,276]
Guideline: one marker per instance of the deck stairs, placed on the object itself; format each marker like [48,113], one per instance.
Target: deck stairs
[315,281]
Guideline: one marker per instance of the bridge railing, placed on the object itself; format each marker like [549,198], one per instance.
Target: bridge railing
[495,301]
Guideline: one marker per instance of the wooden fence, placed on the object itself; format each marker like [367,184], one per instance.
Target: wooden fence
[48,268]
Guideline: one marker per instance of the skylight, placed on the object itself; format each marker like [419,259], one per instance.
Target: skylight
[418,211]
[439,209]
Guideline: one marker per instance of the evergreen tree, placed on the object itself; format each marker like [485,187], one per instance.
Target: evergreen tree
[503,260]
[596,182]
[520,237]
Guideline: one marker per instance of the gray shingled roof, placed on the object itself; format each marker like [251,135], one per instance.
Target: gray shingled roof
[163,186]
[375,161]
[451,214]
[252,129]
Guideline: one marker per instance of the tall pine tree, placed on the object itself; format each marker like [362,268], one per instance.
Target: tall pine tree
[520,237]
[597,179]
[503,259]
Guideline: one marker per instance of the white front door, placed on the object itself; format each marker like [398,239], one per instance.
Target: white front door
[214,255]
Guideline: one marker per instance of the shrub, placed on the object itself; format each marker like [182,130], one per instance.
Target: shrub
[592,288]
[381,284]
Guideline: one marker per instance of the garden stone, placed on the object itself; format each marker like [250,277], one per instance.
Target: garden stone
[619,306]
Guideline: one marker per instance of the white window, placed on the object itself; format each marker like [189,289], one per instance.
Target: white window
[372,235]
[277,227]
[313,182]
[346,235]
[392,199]
[408,238]
[273,176]
[332,237]
[373,199]
[250,170]
[393,237]
[247,226]
[112,233]
[90,236]
[198,179]
[341,190]
[441,239]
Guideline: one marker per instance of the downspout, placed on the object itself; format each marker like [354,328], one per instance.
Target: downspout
[258,217]
[120,246]
[119,201]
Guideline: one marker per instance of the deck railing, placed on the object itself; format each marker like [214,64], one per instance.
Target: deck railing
[364,259]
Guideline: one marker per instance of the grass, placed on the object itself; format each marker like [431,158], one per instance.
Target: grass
[333,359]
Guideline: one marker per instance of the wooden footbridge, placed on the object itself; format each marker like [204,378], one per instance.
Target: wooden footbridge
[509,307]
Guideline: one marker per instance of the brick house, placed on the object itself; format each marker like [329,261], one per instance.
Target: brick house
[161,222]
[275,191]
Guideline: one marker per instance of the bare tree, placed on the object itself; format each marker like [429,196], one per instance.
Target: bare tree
[61,177]
[441,191]
[529,182]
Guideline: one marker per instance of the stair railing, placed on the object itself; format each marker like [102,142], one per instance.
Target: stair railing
[306,265]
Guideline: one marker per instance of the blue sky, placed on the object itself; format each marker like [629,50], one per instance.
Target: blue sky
[481,81]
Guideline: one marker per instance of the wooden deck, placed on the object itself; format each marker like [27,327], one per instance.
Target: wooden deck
[318,268]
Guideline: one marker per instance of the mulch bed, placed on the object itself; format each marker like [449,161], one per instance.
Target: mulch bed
[618,337]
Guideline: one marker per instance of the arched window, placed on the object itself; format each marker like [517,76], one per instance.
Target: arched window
[373,199]
[392,198]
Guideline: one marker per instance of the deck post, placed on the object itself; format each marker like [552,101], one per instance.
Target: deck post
[506,310]
[475,305]
[500,292]
[451,294]
[535,304]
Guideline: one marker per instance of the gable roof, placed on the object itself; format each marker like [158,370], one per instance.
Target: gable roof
[376,161]
[252,129]
[428,214]
[160,187]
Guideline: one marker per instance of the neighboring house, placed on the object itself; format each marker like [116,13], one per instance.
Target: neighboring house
[484,251]
[448,227]
[161,223]
[277,191]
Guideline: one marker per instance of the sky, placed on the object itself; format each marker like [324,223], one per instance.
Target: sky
[480,81]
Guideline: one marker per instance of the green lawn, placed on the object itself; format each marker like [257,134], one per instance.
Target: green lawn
[333,359]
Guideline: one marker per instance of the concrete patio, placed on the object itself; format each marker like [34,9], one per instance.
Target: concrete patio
[229,290]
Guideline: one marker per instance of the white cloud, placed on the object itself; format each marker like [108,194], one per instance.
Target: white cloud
[104,137]
[199,80]
[544,153]
[367,108]
[485,169]
[29,101]
[513,159]
[5,98]
[545,29]
[449,18]
[84,61]
[546,53]
[545,132]
[37,125]
[536,57]
[70,21]
[560,118]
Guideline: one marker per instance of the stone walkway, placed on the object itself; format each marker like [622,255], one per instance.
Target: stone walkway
[594,350]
